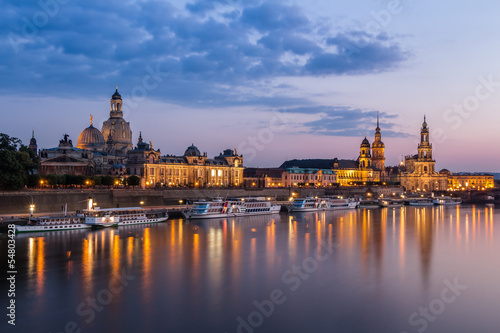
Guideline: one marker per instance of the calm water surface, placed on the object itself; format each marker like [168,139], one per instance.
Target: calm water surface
[433,269]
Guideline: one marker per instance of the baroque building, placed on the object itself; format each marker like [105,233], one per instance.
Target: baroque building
[192,169]
[419,170]
[378,150]
[116,131]
[369,168]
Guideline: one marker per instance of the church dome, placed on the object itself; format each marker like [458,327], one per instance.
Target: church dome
[378,144]
[91,139]
[365,143]
[192,151]
[116,95]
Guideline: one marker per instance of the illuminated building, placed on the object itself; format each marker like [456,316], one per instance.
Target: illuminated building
[419,173]
[191,169]
[469,181]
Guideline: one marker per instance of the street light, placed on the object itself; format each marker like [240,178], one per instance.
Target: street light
[32,209]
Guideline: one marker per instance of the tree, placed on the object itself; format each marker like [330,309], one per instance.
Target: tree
[133,181]
[12,176]
[108,181]
[17,162]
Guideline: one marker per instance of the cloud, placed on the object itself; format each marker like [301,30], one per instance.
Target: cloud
[346,121]
[210,45]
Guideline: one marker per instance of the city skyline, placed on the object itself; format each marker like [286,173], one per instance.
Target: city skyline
[308,78]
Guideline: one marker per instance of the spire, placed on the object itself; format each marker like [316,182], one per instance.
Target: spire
[378,127]
[424,125]
[91,119]
[140,137]
[33,133]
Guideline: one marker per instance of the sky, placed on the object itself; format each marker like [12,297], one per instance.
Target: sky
[276,80]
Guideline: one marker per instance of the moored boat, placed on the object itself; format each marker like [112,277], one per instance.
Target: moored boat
[420,202]
[391,203]
[236,207]
[447,201]
[368,204]
[54,223]
[310,204]
[112,217]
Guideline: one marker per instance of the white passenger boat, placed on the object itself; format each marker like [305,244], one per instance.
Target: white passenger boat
[87,218]
[447,201]
[54,223]
[317,204]
[220,208]
[112,217]
[309,204]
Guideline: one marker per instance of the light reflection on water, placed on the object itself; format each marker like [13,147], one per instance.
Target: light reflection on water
[203,275]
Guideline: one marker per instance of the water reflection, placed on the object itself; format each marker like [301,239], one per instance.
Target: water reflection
[214,269]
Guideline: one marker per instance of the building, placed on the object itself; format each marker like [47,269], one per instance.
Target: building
[419,170]
[116,131]
[263,177]
[462,181]
[192,169]
[296,176]
[33,146]
[66,160]
[378,151]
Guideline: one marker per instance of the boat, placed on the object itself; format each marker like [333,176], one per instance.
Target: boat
[54,223]
[235,207]
[368,204]
[447,201]
[420,202]
[93,217]
[391,203]
[115,217]
[310,204]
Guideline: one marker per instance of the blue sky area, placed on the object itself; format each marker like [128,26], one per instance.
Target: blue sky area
[275,79]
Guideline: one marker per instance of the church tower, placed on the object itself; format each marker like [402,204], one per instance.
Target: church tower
[365,157]
[424,163]
[378,149]
[33,146]
[116,130]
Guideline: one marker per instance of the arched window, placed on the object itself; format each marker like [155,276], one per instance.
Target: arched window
[425,169]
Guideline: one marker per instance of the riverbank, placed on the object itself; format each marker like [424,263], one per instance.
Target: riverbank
[50,201]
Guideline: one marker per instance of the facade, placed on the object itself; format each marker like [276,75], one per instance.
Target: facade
[191,169]
[66,159]
[462,181]
[295,176]
[263,177]
[420,173]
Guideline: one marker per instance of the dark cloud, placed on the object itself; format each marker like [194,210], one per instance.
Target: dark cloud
[346,121]
[205,48]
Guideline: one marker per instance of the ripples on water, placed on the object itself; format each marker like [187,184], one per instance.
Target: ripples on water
[341,271]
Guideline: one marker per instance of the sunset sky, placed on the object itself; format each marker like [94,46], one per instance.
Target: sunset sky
[275,79]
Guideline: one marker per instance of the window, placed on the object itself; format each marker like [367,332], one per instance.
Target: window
[213,172]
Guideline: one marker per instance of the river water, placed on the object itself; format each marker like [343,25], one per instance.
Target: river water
[432,269]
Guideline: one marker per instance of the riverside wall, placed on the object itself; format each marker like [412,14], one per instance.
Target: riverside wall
[50,201]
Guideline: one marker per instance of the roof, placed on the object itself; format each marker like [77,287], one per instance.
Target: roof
[319,164]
